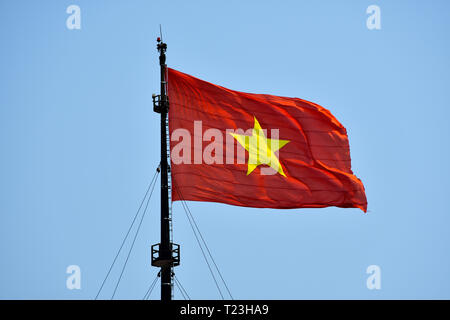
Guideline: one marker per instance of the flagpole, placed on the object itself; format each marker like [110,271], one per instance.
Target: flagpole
[165,254]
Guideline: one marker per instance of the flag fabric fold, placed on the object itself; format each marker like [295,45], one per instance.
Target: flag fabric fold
[257,150]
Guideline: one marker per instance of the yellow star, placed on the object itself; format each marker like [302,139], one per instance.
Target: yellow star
[260,149]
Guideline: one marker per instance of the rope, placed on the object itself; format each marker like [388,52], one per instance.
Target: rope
[181,288]
[203,252]
[186,210]
[126,236]
[134,239]
[181,291]
[209,252]
[150,289]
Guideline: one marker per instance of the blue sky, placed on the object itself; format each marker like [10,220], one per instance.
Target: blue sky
[79,143]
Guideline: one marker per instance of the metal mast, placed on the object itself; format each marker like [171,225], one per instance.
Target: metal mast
[165,254]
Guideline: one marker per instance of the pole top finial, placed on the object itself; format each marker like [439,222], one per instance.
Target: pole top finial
[161,46]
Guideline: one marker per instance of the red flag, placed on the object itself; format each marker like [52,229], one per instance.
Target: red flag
[257,150]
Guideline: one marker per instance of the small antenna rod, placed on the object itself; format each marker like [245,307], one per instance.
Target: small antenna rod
[160,32]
